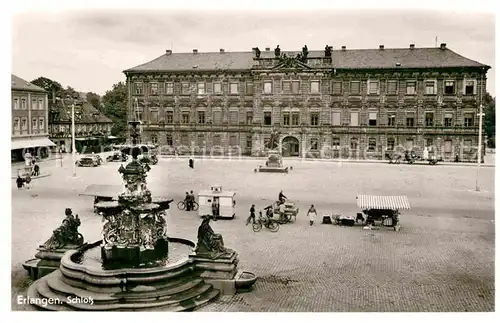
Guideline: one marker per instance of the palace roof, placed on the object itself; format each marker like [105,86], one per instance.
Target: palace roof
[387,58]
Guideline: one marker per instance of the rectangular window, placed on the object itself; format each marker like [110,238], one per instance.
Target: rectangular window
[468,119]
[138,88]
[429,143]
[372,87]
[392,87]
[217,88]
[249,117]
[469,87]
[23,104]
[201,117]
[185,117]
[430,88]
[372,119]
[234,88]
[286,119]
[268,87]
[154,116]
[216,140]
[314,86]
[169,117]
[355,87]
[161,90]
[33,104]
[15,102]
[314,144]
[201,88]
[336,143]
[185,140]
[217,117]
[354,143]
[411,87]
[410,121]
[295,119]
[24,123]
[16,123]
[336,87]
[295,87]
[390,143]
[249,142]
[287,86]
[448,120]
[233,117]
[449,87]
[372,144]
[169,88]
[185,88]
[34,123]
[429,119]
[354,119]
[267,118]
[153,90]
[249,89]
[169,140]
[200,140]
[41,105]
[336,119]
[233,140]
[314,118]
[409,143]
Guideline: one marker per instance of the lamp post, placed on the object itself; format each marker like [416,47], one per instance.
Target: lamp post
[73,145]
[480,139]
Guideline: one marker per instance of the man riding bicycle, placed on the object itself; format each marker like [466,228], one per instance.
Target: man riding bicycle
[281,197]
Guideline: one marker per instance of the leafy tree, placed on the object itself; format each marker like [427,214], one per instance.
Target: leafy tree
[489,119]
[51,86]
[94,99]
[114,106]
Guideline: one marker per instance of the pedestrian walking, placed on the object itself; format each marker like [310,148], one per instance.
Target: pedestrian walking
[19,182]
[252,215]
[312,214]
[191,162]
[27,181]
[36,170]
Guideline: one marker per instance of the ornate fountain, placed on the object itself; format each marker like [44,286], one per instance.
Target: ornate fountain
[136,266]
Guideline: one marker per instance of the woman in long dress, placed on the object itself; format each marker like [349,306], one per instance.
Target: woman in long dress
[312,215]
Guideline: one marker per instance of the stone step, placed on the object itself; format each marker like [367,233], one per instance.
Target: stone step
[34,294]
[185,300]
[143,294]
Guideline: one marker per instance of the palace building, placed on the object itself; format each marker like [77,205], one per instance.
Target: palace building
[327,103]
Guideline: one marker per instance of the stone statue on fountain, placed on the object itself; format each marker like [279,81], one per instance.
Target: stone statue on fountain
[210,244]
[66,234]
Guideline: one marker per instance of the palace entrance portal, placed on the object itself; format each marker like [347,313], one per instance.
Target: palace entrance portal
[290,147]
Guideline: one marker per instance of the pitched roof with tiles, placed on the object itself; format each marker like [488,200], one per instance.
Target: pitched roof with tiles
[341,59]
[87,112]
[22,85]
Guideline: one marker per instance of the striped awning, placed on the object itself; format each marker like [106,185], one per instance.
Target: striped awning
[383,202]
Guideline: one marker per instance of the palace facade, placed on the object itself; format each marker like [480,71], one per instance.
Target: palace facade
[328,103]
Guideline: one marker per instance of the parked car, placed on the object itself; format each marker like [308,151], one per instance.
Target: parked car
[117,157]
[148,159]
[88,161]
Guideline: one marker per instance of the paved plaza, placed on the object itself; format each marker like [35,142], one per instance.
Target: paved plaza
[441,260]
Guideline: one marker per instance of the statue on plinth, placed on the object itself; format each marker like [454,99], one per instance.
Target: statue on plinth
[328,51]
[66,234]
[305,52]
[273,141]
[277,51]
[257,52]
[210,244]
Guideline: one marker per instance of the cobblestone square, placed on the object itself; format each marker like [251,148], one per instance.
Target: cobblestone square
[441,260]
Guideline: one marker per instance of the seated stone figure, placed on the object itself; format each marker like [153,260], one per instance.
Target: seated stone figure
[210,243]
[66,234]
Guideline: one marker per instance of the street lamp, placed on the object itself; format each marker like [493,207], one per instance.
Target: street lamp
[73,145]
[480,143]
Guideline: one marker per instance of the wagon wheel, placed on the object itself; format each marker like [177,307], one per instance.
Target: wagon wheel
[257,226]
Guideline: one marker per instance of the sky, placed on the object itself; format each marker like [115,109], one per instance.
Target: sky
[88,49]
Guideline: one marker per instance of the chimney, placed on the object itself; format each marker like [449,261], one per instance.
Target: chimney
[268,49]
[221,50]
[412,46]
[169,52]
[381,47]
[443,46]
[195,51]
[343,47]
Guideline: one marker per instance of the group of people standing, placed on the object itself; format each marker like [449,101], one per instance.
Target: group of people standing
[189,201]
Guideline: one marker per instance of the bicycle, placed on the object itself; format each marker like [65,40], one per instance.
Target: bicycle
[181,205]
[270,224]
